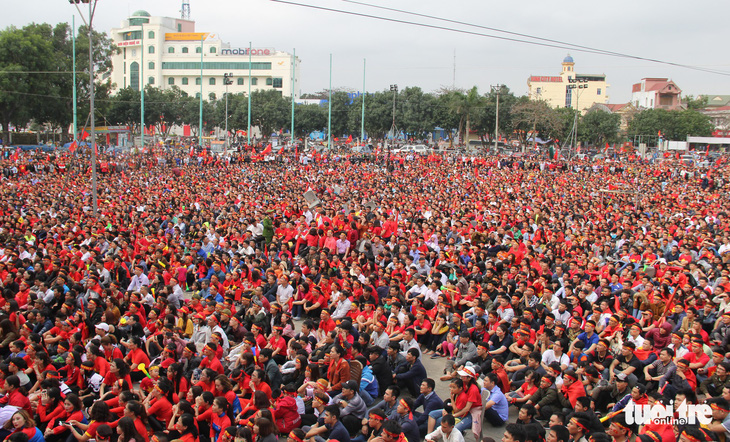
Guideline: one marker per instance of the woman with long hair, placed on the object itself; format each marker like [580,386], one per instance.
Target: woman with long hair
[260,401]
[21,422]
[136,411]
[118,369]
[219,416]
[264,430]
[223,387]
[50,407]
[72,406]
[15,395]
[127,431]
[180,384]
[99,415]
[159,405]
[188,431]
[135,357]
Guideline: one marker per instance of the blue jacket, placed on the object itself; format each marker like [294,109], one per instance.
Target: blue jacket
[368,381]
[414,374]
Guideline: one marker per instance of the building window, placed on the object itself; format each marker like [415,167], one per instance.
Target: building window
[132,35]
[185,81]
[269,82]
[211,81]
[197,96]
[151,80]
[171,81]
[179,27]
[221,65]
[134,75]
[538,91]
[151,65]
[125,53]
[171,50]
[185,50]
[568,97]
[278,83]
[211,96]
[125,68]
[212,49]
[151,50]
[198,50]
[254,81]
[151,34]
[197,81]
[598,91]
[240,81]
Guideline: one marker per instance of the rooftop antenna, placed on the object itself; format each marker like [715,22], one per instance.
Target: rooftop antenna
[185,12]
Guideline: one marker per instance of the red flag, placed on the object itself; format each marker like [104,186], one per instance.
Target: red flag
[267,150]
[349,139]
[606,147]
[16,154]
[707,152]
[84,135]
[72,147]
[557,155]
[186,130]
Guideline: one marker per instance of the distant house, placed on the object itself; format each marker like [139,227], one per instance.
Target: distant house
[656,93]
[625,110]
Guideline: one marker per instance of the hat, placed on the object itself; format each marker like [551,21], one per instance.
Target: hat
[622,377]
[103,326]
[467,371]
[350,385]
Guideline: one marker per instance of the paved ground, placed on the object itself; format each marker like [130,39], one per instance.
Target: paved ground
[435,369]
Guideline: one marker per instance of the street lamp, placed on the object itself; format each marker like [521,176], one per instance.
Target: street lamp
[496,89]
[579,84]
[227,79]
[394,89]
[89,23]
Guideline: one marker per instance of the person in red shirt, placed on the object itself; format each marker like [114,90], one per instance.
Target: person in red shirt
[14,395]
[159,405]
[277,344]
[210,360]
[135,357]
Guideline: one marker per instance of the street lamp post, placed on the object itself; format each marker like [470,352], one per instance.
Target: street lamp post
[496,89]
[227,80]
[579,84]
[394,89]
[89,23]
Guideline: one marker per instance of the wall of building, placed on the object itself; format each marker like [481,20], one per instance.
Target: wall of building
[172,57]
[553,89]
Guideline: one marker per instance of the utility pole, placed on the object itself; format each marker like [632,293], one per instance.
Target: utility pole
[227,80]
[394,89]
[248,132]
[329,111]
[73,50]
[496,89]
[89,23]
[293,76]
[579,84]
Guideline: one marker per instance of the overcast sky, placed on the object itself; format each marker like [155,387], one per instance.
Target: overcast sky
[690,33]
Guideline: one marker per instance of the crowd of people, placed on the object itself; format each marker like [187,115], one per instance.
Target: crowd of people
[579,294]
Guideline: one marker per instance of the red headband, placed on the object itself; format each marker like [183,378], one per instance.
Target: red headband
[295,437]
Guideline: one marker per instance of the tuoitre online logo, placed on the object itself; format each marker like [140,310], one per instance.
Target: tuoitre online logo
[685,414]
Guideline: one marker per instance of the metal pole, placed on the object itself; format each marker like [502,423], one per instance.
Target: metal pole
[329,112]
[497,89]
[225,80]
[91,95]
[293,74]
[248,132]
[200,120]
[73,49]
[362,117]
[141,87]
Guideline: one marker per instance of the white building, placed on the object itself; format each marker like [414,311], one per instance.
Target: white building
[557,90]
[165,51]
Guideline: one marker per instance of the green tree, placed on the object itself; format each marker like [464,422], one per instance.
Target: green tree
[696,103]
[673,125]
[444,116]
[536,115]
[309,118]
[598,127]
[270,111]
[415,113]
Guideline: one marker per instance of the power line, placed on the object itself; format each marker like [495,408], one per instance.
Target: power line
[545,43]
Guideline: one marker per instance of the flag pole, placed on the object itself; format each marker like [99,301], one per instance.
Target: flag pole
[293,69]
[329,112]
[362,118]
[200,119]
[248,133]
[73,49]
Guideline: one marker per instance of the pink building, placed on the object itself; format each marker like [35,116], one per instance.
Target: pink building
[656,93]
